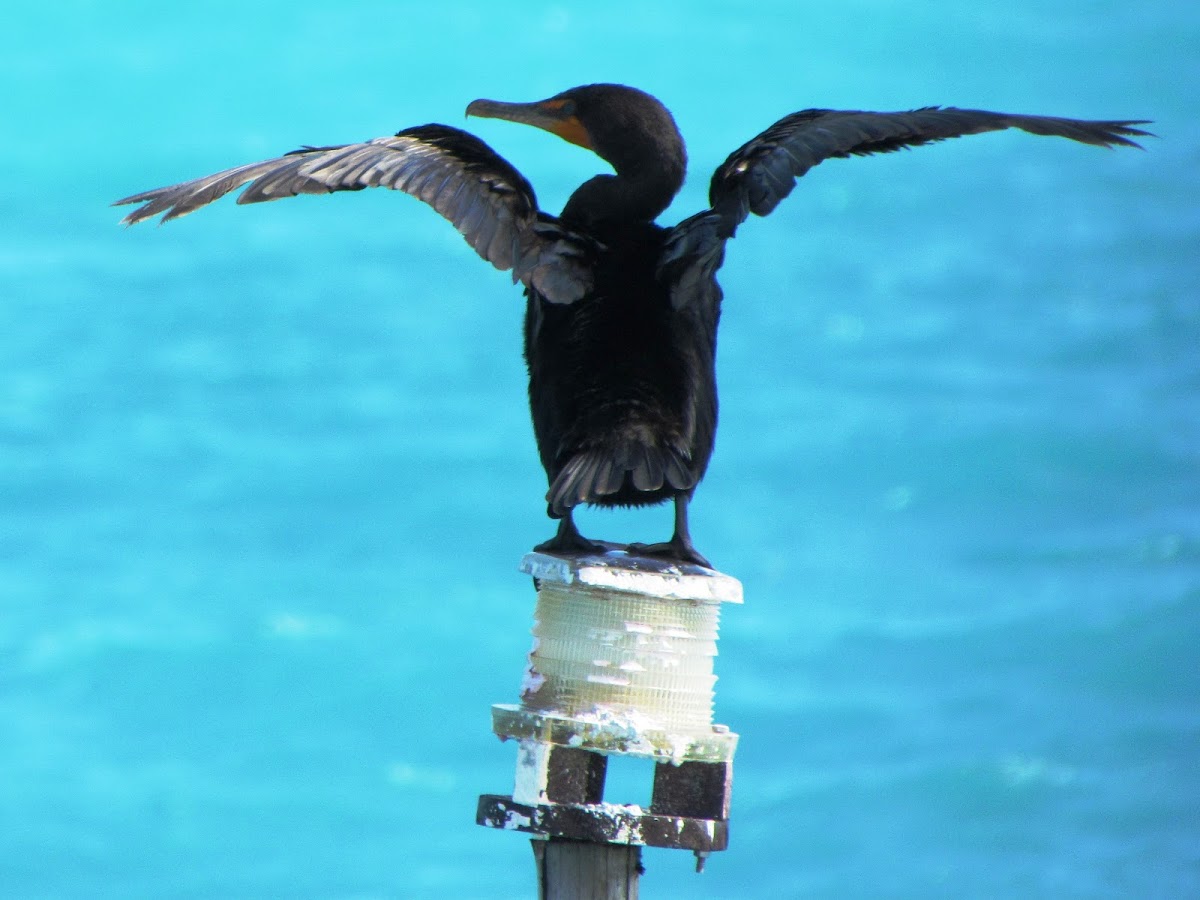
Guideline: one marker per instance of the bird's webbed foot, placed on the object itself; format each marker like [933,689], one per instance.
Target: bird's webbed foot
[677,548]
[567,541]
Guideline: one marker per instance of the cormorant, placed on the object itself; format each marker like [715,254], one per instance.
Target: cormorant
[621,317]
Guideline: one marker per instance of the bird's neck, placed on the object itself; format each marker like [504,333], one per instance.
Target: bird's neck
[639,192]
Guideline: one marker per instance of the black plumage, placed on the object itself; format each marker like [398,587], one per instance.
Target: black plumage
[621,318]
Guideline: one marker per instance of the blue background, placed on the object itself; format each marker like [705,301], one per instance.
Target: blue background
[266,473]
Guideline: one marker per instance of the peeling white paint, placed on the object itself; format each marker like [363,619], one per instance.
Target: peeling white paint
[533,762]
[514,821]
[531,682]
[619,571]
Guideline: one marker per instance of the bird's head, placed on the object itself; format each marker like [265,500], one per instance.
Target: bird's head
[626,127]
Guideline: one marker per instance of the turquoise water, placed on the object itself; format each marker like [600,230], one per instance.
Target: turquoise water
[266,473]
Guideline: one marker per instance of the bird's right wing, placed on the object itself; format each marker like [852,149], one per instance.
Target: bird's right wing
[760,173]
[763,171]
[460,176]
[692,253]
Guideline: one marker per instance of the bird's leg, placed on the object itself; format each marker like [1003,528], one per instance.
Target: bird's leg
[680,545]
[567,540]
[682,538]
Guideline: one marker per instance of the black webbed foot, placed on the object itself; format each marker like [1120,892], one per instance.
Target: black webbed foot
[567,541]
[679,547]
[676,549]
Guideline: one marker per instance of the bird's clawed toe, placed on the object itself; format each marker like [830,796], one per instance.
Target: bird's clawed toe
[681,551]
[569,542]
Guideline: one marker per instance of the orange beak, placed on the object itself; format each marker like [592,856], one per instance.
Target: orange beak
[556,115]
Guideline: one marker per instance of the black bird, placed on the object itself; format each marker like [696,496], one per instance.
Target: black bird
[621,318]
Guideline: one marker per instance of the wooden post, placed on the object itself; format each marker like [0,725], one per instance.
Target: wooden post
[621,665]
[578,870]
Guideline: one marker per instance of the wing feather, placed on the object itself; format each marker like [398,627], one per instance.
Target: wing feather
[763,171]
[460,176]
[759,174]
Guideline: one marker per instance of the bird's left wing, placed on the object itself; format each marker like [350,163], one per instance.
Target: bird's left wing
[763,171]
[477,190]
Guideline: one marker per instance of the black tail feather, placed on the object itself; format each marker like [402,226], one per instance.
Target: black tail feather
[598,472]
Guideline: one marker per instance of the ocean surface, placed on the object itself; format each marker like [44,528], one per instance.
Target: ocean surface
[266,473]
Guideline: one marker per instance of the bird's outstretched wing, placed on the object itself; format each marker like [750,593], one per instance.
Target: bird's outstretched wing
[763,171]
[460,176]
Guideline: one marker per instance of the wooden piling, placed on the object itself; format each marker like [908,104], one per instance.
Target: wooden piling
[621,665]
[580,870]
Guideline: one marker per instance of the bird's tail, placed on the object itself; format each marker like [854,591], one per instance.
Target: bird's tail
[598,472]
